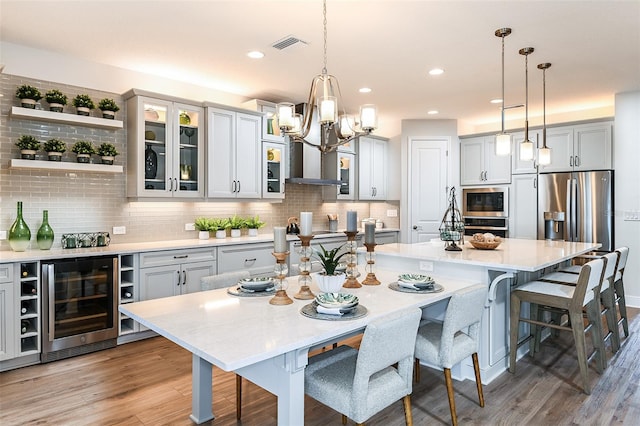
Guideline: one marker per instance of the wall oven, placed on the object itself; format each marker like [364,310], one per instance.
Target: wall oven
[79,306]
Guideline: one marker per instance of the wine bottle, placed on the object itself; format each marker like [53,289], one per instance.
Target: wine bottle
[24,326]
[23,310]
[127,295]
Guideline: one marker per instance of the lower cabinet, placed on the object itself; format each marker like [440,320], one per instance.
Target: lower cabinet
[386,237]
[7,316]
[254,258]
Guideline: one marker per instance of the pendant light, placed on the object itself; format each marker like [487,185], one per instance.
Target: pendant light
[526,146]
[503,140]
[544,153]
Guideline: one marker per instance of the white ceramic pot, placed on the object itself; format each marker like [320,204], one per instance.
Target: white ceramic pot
[330,283]
[221,233]
[83,111]
[235,233]
[54,156]
[108,114]
[55,107]
[83,158]
[28,154]
[253,232]
[203,235]
[107,159]
[28,103]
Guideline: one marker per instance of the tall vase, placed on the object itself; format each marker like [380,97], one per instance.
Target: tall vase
[45,233]
[19,233]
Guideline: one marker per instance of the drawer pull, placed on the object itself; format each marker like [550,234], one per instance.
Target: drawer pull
[182,256]
[250,260]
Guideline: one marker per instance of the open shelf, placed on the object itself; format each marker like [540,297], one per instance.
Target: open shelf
[17,163]
[65,118]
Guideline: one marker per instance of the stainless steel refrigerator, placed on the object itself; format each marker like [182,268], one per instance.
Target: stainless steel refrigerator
[586,198]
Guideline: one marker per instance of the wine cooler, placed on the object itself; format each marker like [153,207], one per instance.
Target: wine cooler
[80,302]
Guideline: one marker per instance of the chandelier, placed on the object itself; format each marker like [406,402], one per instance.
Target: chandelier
[336,127]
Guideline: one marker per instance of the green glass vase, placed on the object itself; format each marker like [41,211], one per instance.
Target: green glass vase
[45,233]
[19,233]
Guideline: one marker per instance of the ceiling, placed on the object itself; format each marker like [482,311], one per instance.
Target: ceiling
[387,45]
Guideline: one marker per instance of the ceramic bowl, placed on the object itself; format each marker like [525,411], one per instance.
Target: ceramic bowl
[336,300]
[415,279]
[256,284]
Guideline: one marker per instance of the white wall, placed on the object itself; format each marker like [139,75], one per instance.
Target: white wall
[626,156]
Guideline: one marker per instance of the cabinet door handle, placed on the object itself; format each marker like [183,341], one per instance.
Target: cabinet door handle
[170,184]
[535,182]
[176,182]
[178,272]
[233,186]
[577,162]
[571,161]
[238,186]
[184,277]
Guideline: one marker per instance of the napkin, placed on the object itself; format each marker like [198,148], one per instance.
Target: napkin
[329,311]
[407,285]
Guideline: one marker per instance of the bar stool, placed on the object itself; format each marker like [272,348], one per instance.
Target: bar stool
[618,287]
[607,296]
[564,299]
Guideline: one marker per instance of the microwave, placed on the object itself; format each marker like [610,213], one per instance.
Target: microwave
[485,202]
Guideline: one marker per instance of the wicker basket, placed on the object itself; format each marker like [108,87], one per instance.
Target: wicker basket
[483,245]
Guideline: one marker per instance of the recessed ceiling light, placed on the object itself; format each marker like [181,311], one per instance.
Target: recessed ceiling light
[365,90]
[496,101]
[436,71]
[432,112]
[255,54]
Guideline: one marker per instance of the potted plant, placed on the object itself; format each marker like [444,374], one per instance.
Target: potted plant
[28,146]
[28,95]
[83,149]
[330,281]
[56,99]
[107,151]
[236,224]
[108,108]
[55,148]
[203,225]
[220,226]
[253,224]
[83,104]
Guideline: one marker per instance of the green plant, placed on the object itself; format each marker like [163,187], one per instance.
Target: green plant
[107,150]
[218,224]
[254,222]
[28,142]
[236,222]
[83,101]
[329,258]
[203,224]
[56,97]
[108,105]
[28,92]
[55,145]
[83,147]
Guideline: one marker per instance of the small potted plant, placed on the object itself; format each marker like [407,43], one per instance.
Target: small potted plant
[28,95]
[107,151]
[203,225]
[56,99]
[236,224]
[83,150]
[28,146]
[55,148]
[220,226]
[253,224]
[108,108]
[83,104]
[330,281]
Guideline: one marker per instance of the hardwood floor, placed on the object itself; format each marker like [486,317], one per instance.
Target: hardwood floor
[149,383]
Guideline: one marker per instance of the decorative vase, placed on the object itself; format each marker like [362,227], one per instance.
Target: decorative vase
[28,103]
[330,283]
[54,156]
[28,154]
[55,107]
[221,233]
[203,235]
[83,111]
[84,158]
[184,118]
[235,233]
[253,232]
[45,235]
[107,159]
[110,115]
[19,233]
[150,163]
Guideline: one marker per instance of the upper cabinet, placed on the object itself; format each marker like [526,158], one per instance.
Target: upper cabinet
[519,166]
[270,129]
[372,168]
[234,157]
[273,170]
[479,164]
[339,165]
[579,148]
[165,156]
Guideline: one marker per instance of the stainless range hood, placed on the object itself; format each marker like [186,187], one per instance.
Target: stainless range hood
[305,162]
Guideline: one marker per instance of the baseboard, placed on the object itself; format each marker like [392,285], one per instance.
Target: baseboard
[632,301]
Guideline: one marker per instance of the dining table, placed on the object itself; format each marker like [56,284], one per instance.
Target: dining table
[270,344]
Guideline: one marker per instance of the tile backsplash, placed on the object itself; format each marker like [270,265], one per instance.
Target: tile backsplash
[92,202]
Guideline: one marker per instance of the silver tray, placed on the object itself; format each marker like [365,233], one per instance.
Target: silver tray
[437,288]
[310,312]
[238,291]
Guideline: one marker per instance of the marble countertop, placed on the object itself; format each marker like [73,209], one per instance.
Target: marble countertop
[515,254]
[32,255]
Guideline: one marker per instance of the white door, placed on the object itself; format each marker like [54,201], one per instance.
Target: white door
[428,184]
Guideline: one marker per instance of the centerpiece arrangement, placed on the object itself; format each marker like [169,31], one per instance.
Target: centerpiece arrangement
[331,279]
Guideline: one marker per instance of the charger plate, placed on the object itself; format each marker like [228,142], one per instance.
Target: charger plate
[310,311]
[437,288]
[238,291]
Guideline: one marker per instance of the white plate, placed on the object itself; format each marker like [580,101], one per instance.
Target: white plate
[415,279]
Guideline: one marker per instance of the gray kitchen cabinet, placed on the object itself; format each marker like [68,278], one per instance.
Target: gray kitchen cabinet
[339,165]
[274,166]
[479,164]
[7,313]
[234,157]
[523,207]
[255,258]
[519,166]
[386,237]
[372,168]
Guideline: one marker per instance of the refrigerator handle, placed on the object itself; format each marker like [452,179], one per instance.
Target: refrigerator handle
[569,212]
[576,214]
[51,282]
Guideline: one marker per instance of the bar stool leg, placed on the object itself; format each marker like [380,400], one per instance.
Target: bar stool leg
[622,305]
[578,335]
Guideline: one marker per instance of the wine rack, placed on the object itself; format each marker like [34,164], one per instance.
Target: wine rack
[127,291]
[29,309]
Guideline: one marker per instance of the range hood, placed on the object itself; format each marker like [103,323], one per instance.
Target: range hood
[305,161]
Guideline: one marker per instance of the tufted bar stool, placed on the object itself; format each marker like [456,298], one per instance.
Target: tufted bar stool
[564,299]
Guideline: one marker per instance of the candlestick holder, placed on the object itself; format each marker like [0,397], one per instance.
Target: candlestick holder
[370,257]
[352,261]
[304,267]
[281,269]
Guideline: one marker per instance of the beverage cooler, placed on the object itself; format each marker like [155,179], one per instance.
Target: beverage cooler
[79,312]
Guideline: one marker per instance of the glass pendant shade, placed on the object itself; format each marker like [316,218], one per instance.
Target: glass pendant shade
[544,156]
[368,117]
[526,150]
[286,112]
[503,144]
[346,126]
[327,109]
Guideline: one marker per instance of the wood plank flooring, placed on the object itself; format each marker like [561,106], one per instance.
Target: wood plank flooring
[149,383]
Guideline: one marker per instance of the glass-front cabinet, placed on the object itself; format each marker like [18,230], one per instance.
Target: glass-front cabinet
[340,165]
[165,148]
[273,170]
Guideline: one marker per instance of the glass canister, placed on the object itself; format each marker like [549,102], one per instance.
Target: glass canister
[19,233]
[45,235]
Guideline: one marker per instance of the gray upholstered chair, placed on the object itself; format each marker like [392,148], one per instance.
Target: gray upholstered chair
[224,280]
[566,299]
[445,344]
[360,383]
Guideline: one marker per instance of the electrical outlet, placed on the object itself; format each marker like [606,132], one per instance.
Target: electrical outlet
[426,266]
[631,215]
[392,213]
[3,235]
[189,227]
[119,230]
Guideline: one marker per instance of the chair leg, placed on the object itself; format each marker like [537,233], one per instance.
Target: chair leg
[416,370]
[622,305]
[450,395]
[534,330]
[514,321]
[578,335]
[406,401]
[344,419]
[608,300]
[597,334]
[476,369]
[238,396]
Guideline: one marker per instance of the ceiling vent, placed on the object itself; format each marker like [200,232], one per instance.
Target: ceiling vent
[288,41]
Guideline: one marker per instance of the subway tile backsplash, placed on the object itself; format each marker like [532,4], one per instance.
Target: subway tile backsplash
[92,202]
